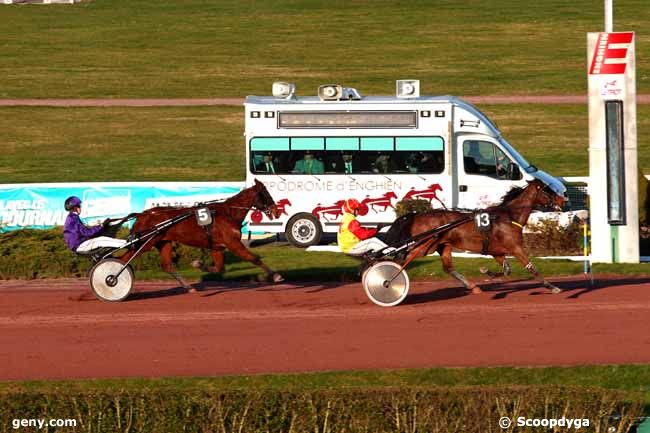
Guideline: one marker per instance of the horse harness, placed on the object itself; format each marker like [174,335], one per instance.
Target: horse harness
[203,215]
[483,222]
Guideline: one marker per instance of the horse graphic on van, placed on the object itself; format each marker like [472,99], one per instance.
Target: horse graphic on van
[431,193]
[333,211]
[385,201]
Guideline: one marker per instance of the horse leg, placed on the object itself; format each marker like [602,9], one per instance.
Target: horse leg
[445,254]
[505,265]
[217,262]
[167,265]
[528,265]
[242,252]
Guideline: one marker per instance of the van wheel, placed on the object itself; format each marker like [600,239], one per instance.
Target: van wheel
[303,230]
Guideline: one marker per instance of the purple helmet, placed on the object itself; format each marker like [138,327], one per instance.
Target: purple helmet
[72,202]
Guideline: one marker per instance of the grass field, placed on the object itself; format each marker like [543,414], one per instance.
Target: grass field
[204,48]
[114,144]
[206,143]
[633,378]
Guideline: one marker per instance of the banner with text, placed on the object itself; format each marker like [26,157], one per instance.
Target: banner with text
[40,206]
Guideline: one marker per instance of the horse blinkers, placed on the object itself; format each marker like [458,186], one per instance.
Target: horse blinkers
[265,203]
[551,200]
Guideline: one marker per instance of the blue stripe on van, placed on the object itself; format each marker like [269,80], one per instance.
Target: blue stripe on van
[419,143]
[270,143]
[377,143]
[342,143]
[307,143]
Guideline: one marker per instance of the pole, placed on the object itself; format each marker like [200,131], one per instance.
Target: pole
[609,16]
[584,247]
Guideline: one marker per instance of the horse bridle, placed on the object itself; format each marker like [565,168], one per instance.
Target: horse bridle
[546,192]
[269,203]
[540,190]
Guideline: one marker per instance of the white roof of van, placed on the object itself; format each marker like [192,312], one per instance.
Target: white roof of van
[270,100]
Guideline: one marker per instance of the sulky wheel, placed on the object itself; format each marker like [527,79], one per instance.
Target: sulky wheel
[385,283]
[104,284]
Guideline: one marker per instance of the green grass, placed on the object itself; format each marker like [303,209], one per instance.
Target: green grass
[206,143]
[206,48]
[122,144]
[633,378]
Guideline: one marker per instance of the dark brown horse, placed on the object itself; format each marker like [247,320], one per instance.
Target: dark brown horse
[224,232]
[496,231]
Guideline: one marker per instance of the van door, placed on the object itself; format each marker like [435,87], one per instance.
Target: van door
[485,171]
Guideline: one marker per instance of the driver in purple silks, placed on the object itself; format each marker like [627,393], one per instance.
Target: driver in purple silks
[81,238]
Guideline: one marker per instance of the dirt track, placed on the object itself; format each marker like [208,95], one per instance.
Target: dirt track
[46,333]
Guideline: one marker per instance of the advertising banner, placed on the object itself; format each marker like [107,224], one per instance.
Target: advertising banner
[40,206]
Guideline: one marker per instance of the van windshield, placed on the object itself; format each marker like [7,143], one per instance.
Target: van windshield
[517,157]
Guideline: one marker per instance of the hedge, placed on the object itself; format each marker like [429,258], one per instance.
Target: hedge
[433,409]
[29,254]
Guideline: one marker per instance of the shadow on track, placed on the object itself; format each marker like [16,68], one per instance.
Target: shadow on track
[605,282]
[498,289]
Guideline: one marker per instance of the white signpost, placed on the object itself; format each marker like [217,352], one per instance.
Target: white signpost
[613,183]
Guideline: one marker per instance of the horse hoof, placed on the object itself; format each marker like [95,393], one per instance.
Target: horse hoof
[556,290]
[190,290]
[197,264]
[277,278]
[476,290]
[483,270]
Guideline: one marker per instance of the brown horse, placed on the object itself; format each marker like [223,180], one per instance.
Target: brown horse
[496,231]
[224,232]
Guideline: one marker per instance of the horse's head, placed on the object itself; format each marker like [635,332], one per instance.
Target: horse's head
[546,197]
[264,202]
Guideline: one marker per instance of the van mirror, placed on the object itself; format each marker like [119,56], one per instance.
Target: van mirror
[515,173]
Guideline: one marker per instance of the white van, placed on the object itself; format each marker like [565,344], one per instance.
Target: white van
[314,152]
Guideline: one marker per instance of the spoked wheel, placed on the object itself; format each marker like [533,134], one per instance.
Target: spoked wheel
[385,284]
[104,283]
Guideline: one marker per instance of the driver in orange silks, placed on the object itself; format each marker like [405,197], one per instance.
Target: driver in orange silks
[352,238]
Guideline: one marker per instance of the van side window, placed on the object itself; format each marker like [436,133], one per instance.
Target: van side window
[347,155]
[506,169]
[484,158]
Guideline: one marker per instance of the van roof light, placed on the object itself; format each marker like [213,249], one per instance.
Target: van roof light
[283,90]
[334,92]
[330,92]
[407,89]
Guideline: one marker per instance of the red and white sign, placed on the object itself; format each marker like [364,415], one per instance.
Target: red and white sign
[610,53]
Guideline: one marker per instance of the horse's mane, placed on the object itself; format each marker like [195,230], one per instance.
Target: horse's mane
[512,194]
[240,194]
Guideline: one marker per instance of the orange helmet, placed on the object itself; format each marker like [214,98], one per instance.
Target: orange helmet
[350,205]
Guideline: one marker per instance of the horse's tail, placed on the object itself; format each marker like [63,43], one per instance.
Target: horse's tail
[400,230]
